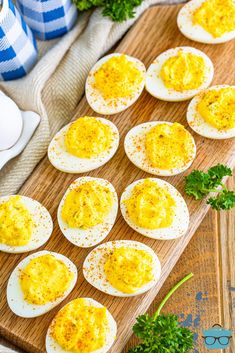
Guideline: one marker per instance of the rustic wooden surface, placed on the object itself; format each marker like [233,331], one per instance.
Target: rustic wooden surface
[209,297]
[201,306]
[197,302]
[157,30]
[226,233]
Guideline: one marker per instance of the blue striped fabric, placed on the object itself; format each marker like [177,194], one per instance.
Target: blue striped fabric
[48,19]
[18,50]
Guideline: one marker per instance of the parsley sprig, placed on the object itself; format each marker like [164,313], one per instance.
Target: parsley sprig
[161,333]
[224,201]
[117,10]
[199,184]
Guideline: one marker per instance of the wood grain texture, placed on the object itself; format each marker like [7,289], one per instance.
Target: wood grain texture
[155,32]
[200,307]
[226,228]
[197,302]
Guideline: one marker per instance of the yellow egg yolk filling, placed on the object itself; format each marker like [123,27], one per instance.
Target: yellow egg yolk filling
[184,71]
[129,269]
[80,328]
[16,223]
[44,279]
[169,146]
[87,205]
[217,107]
[118,78]
[88,137]
[150,206]
[216,16]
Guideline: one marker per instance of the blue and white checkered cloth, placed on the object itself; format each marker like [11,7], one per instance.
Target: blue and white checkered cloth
[48,19]
[18,50]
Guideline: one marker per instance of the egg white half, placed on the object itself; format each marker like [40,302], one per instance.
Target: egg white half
[194,31]
[41,231]
[95,98]
[86,238]
[68,163]
[200,126]
[134,145]
[181,218]
[11,122]
[53,347]
[15,296]
[93,267]
[155,85]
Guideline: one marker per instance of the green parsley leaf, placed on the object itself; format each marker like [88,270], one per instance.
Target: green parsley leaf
[199,184]
[217,173]
[162,333]
[224,201]
[120,10]
[87,4]
[117,10]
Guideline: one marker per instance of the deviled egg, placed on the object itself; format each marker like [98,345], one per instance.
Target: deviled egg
[114,83]
[87,211]
[84,145]
[25,224]
[160,147]
[212,112]
[122,268]
[179,74]
[208,21]
[82,325]
[39,283]
[154,208]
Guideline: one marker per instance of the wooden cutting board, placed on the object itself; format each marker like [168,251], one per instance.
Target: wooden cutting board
[155,32]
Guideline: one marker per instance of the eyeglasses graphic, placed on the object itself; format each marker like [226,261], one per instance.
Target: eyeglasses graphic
[223,340]
[217,337]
